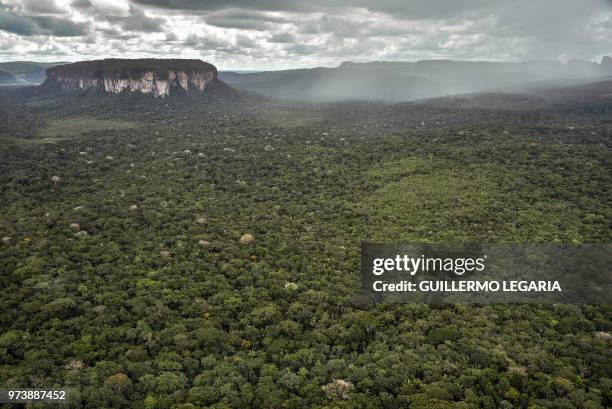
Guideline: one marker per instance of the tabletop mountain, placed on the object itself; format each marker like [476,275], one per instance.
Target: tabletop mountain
[159,77]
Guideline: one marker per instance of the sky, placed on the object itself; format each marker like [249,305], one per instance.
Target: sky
[278,34]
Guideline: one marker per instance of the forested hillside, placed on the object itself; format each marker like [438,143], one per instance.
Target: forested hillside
[204,251]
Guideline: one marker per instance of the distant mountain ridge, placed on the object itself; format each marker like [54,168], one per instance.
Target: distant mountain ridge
[27,72]
[400,81]
[7,78]
[330,84]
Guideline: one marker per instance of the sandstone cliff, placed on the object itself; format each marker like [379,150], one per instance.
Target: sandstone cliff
[150,76]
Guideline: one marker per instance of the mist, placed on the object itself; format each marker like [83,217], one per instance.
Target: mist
[406,81]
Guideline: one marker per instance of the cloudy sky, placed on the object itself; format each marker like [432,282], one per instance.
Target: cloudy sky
[276,34]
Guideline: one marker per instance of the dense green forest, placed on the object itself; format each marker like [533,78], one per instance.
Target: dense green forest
[194,252]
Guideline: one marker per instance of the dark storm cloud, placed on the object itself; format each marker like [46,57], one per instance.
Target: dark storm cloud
[242,19]
[60,27]
[413,8]
[24,25]
[16,24]
[81,4]
[38,6]
[195,5]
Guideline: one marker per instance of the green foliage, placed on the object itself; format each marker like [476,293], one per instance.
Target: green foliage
[140,313]
[126,68]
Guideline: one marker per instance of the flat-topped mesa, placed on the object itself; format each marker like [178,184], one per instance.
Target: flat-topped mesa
[148,75]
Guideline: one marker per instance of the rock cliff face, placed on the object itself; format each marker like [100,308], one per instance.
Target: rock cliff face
[150,76]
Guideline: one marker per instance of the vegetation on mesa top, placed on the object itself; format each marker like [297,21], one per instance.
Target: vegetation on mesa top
[127,68]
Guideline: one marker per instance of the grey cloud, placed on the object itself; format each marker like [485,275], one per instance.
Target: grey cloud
[244,24]
[16,24]
[242,19]
[117,34]
[245,42]
[139,21]
[60,27]
[24,25]
[136,20]
[204,43]
[211,5]
[89,39]
[81,4]
[412,8]
[606,24]
[341,27]
[416,9]
[240,46]
[303,49]
[46,7]
[49,52]
[546,20]
[283,38]
[248,15]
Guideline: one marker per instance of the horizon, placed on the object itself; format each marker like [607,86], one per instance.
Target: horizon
[255,70]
